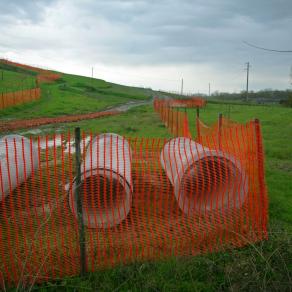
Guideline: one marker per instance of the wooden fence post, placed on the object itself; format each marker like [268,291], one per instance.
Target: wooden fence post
[220,131]
[198,125]
[81,228]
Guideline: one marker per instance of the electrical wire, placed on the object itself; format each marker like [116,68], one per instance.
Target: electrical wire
[265,49]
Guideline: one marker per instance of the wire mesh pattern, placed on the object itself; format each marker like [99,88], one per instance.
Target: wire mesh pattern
[190,102]
[13,98]
[18,97]
[175,120]
[141,199]
[30,123]
[43,75]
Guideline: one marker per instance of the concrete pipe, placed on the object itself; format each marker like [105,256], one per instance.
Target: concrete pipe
[106,182]
[203,179]
[18,158]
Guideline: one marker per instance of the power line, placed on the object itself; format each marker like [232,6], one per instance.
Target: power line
[265,49]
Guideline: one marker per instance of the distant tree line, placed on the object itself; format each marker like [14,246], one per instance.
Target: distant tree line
[263,96]
[266,96]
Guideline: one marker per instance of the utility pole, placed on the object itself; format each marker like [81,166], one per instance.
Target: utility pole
[209,89]
[247,77]
[182,86]
[91,75]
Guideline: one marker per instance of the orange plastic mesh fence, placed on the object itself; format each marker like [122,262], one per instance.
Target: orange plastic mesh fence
[176,121]
[215,128]
[43,75]
[19,97]
[189,102]
[48,77]
[31,123]
[142,199]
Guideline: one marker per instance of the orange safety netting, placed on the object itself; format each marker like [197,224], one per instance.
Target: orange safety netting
[43,75]
[48,77]
[19,97]
[136,199]
[176,121]
[190,102]
[222,123]
[30,123]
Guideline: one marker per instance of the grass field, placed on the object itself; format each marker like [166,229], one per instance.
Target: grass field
[265,266]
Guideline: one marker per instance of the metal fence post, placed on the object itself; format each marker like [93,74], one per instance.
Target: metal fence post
[81,228]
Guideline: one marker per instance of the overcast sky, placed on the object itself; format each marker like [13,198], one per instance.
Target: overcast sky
[154,43]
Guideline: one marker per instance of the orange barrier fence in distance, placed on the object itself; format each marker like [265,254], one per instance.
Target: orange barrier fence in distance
[175,120]
[43,75]
[18,97]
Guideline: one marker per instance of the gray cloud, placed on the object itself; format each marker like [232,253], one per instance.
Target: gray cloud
[152,33]
[30,10]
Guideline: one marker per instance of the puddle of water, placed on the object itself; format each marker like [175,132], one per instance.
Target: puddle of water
[31,132]
[58,142]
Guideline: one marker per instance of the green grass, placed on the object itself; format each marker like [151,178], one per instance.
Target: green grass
[140,121]
[14,81]
[265,266]
[255,268]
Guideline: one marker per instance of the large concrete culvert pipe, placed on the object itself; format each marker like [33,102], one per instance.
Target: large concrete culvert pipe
[18,158]
[106,182]
[204,180]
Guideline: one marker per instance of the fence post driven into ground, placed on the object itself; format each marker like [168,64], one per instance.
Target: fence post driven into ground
[81,228]
[220,130]
[198,125]
[2,101]
[261,174]
[177,117]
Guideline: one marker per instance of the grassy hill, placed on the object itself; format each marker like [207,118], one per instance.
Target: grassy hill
[71,94]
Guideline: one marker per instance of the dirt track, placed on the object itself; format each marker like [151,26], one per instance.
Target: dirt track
[22,124]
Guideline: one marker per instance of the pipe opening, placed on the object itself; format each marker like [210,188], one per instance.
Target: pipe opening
[209,183]
[101,193]
[106,198]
